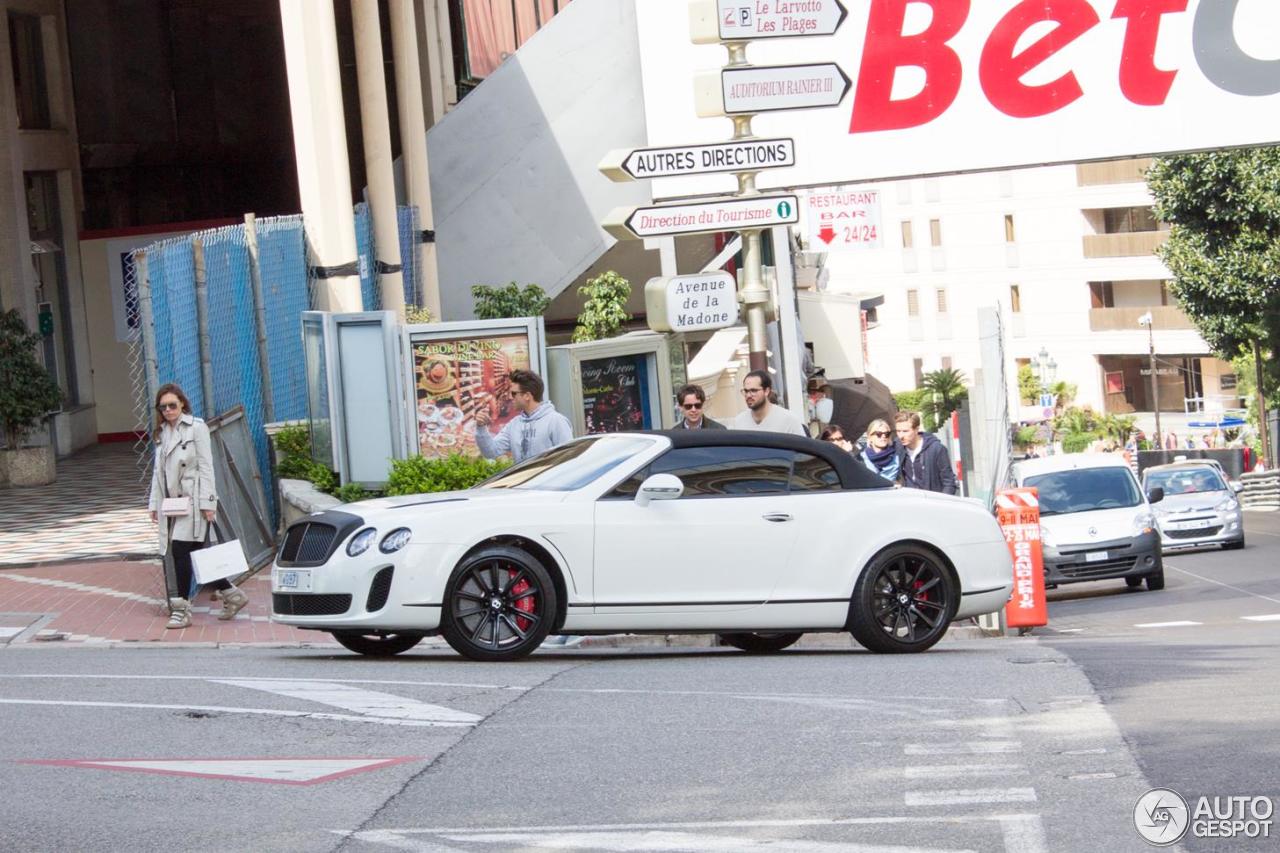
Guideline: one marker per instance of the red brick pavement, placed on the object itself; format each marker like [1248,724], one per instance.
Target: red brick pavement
[123,602]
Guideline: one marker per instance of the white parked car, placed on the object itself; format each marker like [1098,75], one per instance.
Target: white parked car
[759,537]
[1200,506]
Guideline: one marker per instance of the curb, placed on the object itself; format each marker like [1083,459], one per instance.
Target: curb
[127,557]
[834,640]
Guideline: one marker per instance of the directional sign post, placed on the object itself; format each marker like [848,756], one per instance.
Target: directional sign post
[690,303]
[704,217]
[769,88]
[747,155]
[713,21]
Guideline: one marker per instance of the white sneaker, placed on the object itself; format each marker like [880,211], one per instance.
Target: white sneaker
[233,600]
[179,613]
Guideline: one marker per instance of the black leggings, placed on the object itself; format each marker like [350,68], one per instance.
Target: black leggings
[182,566]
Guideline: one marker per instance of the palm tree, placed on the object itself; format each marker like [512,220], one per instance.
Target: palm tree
[947,390]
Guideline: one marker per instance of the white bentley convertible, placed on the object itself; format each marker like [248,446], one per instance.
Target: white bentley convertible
[759,537]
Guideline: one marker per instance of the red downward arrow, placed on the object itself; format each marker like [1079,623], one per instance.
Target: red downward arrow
[827,234]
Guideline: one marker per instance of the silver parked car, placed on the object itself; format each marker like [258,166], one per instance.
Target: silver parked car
[1200,507]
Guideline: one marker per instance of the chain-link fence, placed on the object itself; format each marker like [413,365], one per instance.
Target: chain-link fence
[366,249]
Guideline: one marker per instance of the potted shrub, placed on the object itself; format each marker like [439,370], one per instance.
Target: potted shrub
[27,395]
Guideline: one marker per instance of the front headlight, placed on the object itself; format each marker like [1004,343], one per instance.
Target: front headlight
[395,540]
[1143,523]
[1046,537]
[361,542]
[1228,505]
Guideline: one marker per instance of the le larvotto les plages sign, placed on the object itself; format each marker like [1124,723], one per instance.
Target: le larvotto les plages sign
[942,86]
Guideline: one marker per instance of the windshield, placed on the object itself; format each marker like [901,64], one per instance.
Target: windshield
[1085,489]
[569,466]
[1186,481]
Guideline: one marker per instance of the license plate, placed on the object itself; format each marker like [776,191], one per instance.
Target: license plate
[1198,524]
[293,580]
[1095,556]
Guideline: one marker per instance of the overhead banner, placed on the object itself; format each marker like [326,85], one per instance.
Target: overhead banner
[948,86]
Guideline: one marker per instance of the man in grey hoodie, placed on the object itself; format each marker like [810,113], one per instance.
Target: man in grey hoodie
[538,427]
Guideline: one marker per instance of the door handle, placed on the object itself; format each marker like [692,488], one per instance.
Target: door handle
[776,516]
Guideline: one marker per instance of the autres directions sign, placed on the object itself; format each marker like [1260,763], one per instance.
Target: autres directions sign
[742,156]
[707,217]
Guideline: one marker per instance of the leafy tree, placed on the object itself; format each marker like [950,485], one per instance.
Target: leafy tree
[1027,436]
[497,303]
[605,308]
[1118,428]
[1028,385]
[27,391]
[1224,248]
[917,401]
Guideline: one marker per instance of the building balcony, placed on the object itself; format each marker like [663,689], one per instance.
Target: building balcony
[1134,244]
[1164,318]
[1113,172]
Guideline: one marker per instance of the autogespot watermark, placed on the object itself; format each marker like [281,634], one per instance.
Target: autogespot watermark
[1164,817]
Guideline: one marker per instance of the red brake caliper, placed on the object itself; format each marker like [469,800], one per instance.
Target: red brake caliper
[527,605]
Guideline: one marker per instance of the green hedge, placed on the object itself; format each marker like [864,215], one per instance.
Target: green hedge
[1078,442]
[419,475]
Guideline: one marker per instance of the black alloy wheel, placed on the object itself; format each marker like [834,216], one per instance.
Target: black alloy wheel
[903,602]
[377,645]
[498,605]
[761,644]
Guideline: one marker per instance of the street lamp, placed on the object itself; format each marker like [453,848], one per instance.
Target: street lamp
[1045,370]
[1147,321]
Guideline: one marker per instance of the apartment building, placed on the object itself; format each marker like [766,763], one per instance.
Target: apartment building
[1067,253]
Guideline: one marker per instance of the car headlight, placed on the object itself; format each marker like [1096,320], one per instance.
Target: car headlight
[1046,537]
[395,540]
[1143,523]
[1228,505]
[1158,512]
[361,542]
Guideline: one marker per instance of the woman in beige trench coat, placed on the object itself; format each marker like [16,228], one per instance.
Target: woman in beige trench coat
[184,469]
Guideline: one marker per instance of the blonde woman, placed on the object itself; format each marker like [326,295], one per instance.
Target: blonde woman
[184,501]
[882,454]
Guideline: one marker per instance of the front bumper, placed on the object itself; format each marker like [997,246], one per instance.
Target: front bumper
[1134,557]
[1200,529]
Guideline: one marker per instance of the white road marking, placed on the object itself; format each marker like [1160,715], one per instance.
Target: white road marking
[1182,624]
[80,587]
[1270,617]
[221,709]
[676,842]
[1097,751]
[1069,630]
[970,796]
[11,631]
[247,678]
[981,747]
[1022,833]
[1220,583]
[936,771]
[383,706]
[1085,777]
[283,771]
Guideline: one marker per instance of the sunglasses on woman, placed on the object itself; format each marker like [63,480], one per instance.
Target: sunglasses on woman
[879,434]
[164,407]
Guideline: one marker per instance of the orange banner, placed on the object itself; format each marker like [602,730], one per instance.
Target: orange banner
[1018,512]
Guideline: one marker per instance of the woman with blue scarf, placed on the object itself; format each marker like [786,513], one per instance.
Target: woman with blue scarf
[881,454]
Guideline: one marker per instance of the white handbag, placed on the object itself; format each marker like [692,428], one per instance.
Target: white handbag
[175,506]
[216,562]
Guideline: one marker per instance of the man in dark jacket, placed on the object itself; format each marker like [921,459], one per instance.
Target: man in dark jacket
[925,461]
[692,399]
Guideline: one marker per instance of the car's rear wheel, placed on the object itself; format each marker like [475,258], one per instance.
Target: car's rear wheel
[498,605]
[903,601]
[761,643]
[377,645]
[1133,583]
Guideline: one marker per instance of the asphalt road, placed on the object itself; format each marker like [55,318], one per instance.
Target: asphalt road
[1021,744]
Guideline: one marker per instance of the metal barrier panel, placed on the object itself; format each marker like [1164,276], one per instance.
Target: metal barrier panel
[173,296]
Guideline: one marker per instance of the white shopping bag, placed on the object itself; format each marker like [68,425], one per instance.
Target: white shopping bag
[215,562]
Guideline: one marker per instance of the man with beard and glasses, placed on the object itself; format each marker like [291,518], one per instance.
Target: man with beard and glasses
[762,414]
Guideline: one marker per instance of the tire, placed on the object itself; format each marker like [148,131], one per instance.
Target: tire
[377,645]
[761,644]
[903,601]
[498,605]
[1234,546]
[1156,582]
[1133,583]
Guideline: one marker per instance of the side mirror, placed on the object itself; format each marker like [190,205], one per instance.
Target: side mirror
[659,487]
[1155,495]
[1236,486]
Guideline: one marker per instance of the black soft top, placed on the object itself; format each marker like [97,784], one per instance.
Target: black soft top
[854,476]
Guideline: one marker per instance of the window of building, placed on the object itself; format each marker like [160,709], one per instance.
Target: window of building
[1009,233]
[1015,298]
[1227,382]
[935,232]
[913,303]
[917,368]
[485,33]
[907,240]
[1164,293]
[1127,220]
[30,84]
[941,294]
[946,362]
[1102,294]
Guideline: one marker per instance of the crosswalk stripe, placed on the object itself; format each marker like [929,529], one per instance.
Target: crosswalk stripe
[935,771]
[1180,624]
[978,747]
[370,703]
[970,796]
[1270,617]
